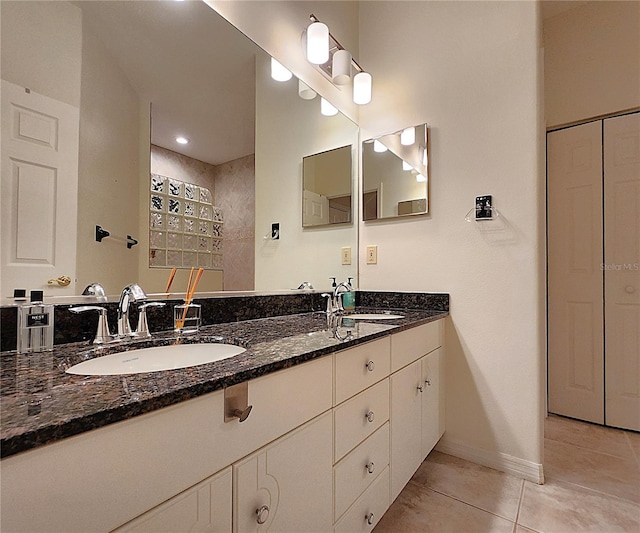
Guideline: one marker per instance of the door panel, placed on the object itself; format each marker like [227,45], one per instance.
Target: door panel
[39,191]
[576,380]
[622,270]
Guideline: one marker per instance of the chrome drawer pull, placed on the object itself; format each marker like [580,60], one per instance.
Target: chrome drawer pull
[263,514]
[370,366]
[421,388]
[370,467]
[369,519]
[370,416]
[428,382]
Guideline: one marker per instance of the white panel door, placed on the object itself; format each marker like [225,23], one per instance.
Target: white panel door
[315,209]
[575,292]
[622,270]
[39,191]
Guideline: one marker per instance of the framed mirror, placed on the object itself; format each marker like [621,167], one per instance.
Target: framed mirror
[395,170]
[326,188]
[185,70]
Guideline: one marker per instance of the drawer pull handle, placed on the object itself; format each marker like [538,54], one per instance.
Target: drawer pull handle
[242,415]
[421,388]
[370,416]
[370,366]
[428,382]
[263,514]
[370,467]
[369,518]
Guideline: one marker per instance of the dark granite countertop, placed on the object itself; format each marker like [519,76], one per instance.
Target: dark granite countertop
[40,403]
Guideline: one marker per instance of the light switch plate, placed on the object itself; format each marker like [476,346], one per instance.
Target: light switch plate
[372,254]
[346,255]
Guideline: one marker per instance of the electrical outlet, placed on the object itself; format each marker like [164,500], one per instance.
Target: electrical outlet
[372,254]
[484,207]
[346,255]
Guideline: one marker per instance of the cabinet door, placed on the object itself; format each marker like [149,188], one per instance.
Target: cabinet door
[431,401]
[287,485]
[205,507]
[406,431]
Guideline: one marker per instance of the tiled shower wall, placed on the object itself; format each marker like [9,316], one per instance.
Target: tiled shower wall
[235,195]
[233,188]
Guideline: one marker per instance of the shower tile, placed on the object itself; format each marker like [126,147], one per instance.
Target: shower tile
[156,221]
[157,183]
[190,242]
[157,258]
[190,225]
[174,206]
[190,191]
[190,259]
[174,241]
[175,188]
[174,223]
[158,239]
[190,209]
[174,258]
[157,202]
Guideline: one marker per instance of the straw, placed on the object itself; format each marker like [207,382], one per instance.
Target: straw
[191,289]
[170,280]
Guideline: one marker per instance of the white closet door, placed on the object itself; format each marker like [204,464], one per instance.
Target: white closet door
[576,381]
[622,270]
[39,191]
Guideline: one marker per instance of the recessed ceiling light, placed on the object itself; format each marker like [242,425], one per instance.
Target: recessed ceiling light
[182,140]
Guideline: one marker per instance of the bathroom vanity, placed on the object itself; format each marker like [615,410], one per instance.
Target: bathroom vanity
[336,429]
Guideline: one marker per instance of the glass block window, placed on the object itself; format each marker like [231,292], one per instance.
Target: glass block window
[185,229]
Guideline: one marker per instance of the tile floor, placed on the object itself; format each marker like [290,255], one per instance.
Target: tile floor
[592,484]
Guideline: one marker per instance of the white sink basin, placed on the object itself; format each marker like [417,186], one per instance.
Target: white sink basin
[155,359]
[373,316]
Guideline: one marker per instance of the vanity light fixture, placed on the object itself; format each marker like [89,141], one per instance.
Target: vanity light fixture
[305,92]
[336,62]
[379,147]
[408,136]
[182,140]
[279,72]
[327,109]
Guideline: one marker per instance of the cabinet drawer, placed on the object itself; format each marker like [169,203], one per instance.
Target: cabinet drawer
[360,367]
[355,472]
[359,417]
[409,345]
[368,509]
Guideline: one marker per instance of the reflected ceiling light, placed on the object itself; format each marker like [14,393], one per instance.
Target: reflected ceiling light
[317,43]
[341,67]
[425,156]
[420,178]
[406,166]
[305,92]
[337,63]
[379,147]
[279,72]
[408,136]
[327,109]
[182,140]
[362,88]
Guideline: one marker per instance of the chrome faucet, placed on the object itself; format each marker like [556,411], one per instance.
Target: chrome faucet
[334,301]
[132,293]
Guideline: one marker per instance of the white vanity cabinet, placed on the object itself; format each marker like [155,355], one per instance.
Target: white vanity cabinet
[417,406]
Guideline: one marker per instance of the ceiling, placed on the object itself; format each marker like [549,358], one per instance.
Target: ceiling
[195,68]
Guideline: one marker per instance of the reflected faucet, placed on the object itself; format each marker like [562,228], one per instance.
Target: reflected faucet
[334,302]
[132,293]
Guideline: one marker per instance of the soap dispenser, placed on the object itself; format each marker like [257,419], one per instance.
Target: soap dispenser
[35,325]
[349,298]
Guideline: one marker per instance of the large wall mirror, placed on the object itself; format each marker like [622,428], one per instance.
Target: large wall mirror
[395,170]
[140,75]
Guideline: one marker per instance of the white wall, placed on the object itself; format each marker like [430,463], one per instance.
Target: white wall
[288,129]
[475,80]
[592,61]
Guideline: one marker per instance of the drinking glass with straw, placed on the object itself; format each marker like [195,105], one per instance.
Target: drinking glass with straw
[187,316]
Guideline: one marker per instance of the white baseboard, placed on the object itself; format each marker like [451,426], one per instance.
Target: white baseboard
[499,461]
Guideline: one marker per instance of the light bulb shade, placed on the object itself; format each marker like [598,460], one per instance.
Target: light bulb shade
[341,67]
[406,166]
[379,147]
[327,109]
[279,72]
[408,136]
[305,92]
[420,178]
[318,43]
[362,88]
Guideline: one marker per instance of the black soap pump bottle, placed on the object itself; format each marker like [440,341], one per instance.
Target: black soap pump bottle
[35,325]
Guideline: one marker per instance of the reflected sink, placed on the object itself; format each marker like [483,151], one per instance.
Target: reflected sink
[155,359]
[373,316]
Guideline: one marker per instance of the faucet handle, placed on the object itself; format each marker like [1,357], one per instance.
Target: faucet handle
[102,333]
[142,330]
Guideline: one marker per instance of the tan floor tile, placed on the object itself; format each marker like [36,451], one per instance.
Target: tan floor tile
[521,529]
[419,509]
[597,438]
[482,487]
[594,470]
[634,442]
[564,508]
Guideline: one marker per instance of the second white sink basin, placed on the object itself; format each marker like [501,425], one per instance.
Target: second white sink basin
[155,359]
[373,316]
